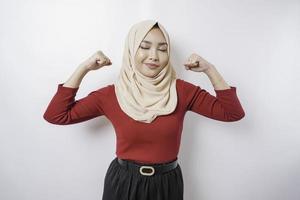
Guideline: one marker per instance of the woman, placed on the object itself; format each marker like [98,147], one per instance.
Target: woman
[146,106]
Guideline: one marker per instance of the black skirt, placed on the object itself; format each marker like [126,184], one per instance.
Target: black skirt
[125,184]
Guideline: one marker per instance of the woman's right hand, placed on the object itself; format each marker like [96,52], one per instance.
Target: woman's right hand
[96,61]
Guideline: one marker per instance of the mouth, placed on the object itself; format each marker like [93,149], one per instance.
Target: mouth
[151,65]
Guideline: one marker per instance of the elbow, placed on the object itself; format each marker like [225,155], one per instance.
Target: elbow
[232,117]
[59,119]
[241,116]
[48,118]
[52,120]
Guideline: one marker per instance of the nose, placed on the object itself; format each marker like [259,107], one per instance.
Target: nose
[153,55]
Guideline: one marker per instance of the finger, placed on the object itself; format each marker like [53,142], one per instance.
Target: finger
[196,63]
[187,66]
[100,62]
[106,62]
[192,64]
[188,63]
[107,59]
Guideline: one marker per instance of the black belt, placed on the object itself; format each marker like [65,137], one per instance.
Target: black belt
[148,169]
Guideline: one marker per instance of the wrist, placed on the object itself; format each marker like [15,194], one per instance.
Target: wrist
[83,68]
[211,69]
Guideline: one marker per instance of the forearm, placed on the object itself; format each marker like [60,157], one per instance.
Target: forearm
[216,79]
[76,78]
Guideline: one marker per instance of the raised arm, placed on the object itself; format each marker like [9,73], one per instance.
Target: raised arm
[63,109]
[225,106]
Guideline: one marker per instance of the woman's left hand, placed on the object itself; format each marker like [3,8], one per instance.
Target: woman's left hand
[197,64]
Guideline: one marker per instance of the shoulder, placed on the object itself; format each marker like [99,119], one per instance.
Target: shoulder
[186,86]
[106,88]
[103,91]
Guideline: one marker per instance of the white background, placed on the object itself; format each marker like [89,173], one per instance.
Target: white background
[253,44]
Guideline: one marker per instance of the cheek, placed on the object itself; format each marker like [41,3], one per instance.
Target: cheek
[164,58]
[140,57]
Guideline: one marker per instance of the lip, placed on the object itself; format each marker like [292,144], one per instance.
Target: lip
[151,65]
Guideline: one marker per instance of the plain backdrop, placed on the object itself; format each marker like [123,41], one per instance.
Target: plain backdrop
[253,44]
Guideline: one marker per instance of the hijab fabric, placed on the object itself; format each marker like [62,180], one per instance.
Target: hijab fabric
[140,97]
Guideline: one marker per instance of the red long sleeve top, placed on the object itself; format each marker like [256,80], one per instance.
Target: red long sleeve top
[156,142]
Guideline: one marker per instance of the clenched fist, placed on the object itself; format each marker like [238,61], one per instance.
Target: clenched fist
[96,61]
[197,64]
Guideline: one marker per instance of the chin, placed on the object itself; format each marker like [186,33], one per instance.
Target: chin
[149,75]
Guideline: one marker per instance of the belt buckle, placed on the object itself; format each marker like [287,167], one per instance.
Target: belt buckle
[147,167]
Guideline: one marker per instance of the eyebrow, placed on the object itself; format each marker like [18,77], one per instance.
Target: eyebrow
[160,43]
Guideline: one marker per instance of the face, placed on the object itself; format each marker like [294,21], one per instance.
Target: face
[153,49]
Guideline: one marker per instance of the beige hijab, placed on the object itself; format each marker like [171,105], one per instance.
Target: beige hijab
[140,97]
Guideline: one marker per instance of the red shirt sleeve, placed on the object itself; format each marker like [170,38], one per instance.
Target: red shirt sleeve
[225,106]
[63,109]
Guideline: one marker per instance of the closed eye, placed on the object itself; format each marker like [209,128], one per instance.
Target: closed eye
[144,47]
[158,49]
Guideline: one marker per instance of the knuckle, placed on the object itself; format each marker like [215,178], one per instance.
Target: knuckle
[99,53]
